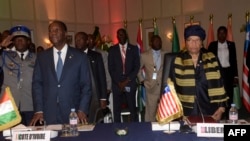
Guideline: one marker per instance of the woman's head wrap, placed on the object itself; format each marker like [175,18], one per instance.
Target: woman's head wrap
[195,30]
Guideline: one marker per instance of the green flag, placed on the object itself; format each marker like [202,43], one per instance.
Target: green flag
[175,40]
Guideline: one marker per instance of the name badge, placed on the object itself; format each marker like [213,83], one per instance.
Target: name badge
[154,76]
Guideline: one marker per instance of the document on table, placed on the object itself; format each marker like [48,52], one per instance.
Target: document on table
[86,127]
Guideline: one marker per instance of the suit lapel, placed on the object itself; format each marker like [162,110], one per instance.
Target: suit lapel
[50,57]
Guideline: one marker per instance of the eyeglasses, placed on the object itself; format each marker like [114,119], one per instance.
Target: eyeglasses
[193,40]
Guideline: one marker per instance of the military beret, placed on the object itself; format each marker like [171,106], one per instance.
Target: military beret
[195,30]
[20,30]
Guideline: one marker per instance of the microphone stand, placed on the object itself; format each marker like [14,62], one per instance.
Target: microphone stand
[169,131]
[202,116]
[197,76]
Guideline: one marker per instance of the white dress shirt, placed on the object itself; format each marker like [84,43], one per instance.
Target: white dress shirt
[223,54]
[63,54]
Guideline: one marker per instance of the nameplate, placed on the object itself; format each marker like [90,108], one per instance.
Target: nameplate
[239,132]
[210,129]
[31,135]
[174,125]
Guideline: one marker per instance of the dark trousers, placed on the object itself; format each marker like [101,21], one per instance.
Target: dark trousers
[118,98]
[26,117]
[228,79]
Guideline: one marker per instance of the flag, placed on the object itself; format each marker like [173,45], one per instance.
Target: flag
[175,40]
[9,115]
[141,89]
[139,39]
[245,85]
[170,107]
[229,29]
[98,38]
[210,36]
[141,97]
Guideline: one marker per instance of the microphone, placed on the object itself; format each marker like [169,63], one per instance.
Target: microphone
[199,107]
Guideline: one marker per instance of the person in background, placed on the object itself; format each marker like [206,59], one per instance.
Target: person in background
[92,46]
[226,52]
[123,65]
[18,67]
[39,49]
[151,64]
[99,91]
[6,41]
[197,78]
[32,47]
[60,80]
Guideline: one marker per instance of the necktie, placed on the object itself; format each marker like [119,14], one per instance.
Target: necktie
[59,65]
[123,58]
[22,56]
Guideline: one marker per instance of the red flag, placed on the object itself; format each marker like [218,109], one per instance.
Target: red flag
[139,39]
[229,29]
[170,107]
[210,36]
[245,85]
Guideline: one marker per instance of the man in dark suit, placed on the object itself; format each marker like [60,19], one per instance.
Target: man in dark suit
[99,85]
[53,94]
[92,45]
[123,65]
[226,53]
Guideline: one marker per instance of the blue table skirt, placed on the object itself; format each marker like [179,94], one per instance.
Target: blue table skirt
[136,132]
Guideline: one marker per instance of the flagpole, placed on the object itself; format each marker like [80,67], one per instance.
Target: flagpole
[229,16]
[210,36]
[173,20]
[154,19]
[125,24]
[140,21]
[229,28]
[211,16]
[154,22]
[155,27]
[191,19]
[175,37]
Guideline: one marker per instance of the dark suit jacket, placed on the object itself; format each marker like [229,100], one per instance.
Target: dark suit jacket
[132,64]
[99,76]
[213,47]
[55,98]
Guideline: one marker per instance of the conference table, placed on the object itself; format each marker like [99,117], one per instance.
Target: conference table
[137,131]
